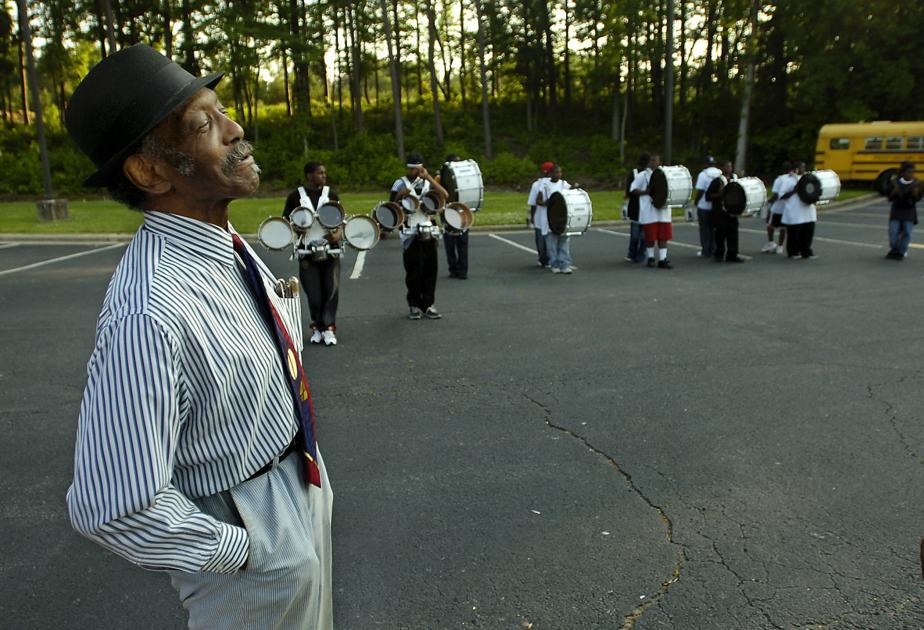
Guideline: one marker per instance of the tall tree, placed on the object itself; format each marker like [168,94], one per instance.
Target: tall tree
[395,82]
[431,47]
[485,111]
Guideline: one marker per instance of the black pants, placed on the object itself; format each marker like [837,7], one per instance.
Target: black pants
[799,239]
[726,235]
[457,253]
[420,267]
[321,282]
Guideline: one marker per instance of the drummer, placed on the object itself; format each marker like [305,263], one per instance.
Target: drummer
[636,253]
[798,217]
[420,255]
[538,216]
[656,222]
[455,243]
[557,245]
[320,278]
[775,216]
[725,224]
[704,213]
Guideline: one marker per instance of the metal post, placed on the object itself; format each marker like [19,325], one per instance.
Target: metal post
[669,86]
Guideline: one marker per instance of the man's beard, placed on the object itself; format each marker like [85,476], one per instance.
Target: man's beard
[185,164]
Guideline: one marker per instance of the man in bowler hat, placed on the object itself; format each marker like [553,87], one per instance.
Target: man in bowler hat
[196,449]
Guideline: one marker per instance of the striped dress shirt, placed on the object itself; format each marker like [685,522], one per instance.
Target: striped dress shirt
[185,397]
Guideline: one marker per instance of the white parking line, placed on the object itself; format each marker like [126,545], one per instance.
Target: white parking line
[672,243]
[7,245]
[824,239]
[509,242]
[867,226]
[59,259]
[358,265]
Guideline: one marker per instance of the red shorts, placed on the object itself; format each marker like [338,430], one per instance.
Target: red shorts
[658,232]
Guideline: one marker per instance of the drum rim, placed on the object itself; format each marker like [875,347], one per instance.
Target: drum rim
[331,204]
[359,220]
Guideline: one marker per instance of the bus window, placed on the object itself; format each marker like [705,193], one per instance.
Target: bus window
[873,144]
[915,143]
[894,143]
[840,143]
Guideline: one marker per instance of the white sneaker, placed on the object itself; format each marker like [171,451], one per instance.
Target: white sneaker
[556,270]
[330,339]
[769,247]
[699,252]
[779,249]
[568,270]
[315,337]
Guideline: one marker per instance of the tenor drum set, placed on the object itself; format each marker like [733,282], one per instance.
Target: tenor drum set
[316,233]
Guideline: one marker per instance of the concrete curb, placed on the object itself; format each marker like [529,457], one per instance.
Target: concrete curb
[45,239]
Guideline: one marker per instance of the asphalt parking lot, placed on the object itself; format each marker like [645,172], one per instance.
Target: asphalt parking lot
[714,446]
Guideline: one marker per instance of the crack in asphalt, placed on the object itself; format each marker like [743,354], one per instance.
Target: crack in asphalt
[630,619]
[893,420]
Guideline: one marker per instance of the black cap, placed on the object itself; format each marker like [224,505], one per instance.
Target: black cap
[121,100]
[710,160]
[414,159]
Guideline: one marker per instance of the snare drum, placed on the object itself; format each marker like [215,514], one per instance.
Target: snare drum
[388,215]
[670,186]
[818,187]
[570,212]
[432,202]
[301,218]
[331,215]
[744,196]
[361,232]
[409,203]
[276,233]
[463,181]
[456,218]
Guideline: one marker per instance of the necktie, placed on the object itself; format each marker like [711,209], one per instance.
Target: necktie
[292,365]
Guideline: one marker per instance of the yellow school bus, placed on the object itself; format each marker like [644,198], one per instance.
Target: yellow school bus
[869,152]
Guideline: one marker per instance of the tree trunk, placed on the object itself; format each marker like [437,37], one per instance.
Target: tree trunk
[395,84]
[485,112]
[23,82]
[434,90]
[356,95]
[462,69]
[189,44]
[684,67]
[568,18]
[615,114]
[100,28]
[420,91]
[285,82]
[168,29]
[551,70]
[742,147]
[110,26]
[36,100]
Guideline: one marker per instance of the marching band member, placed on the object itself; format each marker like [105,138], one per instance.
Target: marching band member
[557,245]
[775,216]
[320,278]
[798,217]
[420,255]
[655,221]
[725,224]
[903,214]
[704,214]
[538,216]
[636,253]
[456,244]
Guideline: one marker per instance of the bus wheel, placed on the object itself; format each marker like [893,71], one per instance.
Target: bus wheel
[884,181]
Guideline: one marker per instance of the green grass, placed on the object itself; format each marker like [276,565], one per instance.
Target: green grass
[108,217]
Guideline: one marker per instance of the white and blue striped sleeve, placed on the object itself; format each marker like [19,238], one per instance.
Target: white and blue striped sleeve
[122,497]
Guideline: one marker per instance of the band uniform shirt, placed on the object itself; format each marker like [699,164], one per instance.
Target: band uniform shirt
[531,200]
[186,396]
[796,211]
[548,188]
[777,206]
[703,180]
[647,213]
[419,188]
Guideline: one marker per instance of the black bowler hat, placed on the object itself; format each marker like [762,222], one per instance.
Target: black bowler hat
[121,100]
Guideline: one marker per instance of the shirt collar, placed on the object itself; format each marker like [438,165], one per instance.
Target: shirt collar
[194,236]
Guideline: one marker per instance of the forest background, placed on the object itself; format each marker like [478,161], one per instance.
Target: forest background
[356,84]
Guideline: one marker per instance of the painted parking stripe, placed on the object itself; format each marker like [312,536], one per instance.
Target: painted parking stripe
[824,239]
[509,242]
[52,261]
[671,242]
[8,245]
[358,265]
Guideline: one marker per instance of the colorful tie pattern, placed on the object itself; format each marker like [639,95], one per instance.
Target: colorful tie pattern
[292,365]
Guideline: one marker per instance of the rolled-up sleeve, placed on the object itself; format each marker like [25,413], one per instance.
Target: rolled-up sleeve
[129,423]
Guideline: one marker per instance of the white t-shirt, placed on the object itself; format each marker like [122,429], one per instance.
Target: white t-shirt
[703,180]
[795,211]
[548,188]
[531,199]
[647,213]
[777,206]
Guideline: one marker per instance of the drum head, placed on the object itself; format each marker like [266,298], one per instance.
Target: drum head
[734,198]
[432,202]
[389,215]
[301,218]
[557,207]
[276,233]
[409,204]
[659,189]
[809,188]
[457,217]
[361,232]
[330,215]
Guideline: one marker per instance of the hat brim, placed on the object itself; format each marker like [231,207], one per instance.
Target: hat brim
[105,173]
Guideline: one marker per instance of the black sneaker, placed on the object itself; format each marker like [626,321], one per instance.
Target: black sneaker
[415,313]
[665,264]
[651,262]
[432,313]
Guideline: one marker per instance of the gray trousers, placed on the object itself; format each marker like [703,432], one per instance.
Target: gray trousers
[287,582]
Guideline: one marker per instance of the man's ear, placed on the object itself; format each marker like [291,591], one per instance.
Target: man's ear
[149,175]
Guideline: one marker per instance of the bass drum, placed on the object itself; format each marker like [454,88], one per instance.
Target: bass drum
[570,212]
[361,232]
[456,218]
[818,187]
[388,215]
[331,215]
[744,196]
[276,233]
[463,181]
[670,186]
